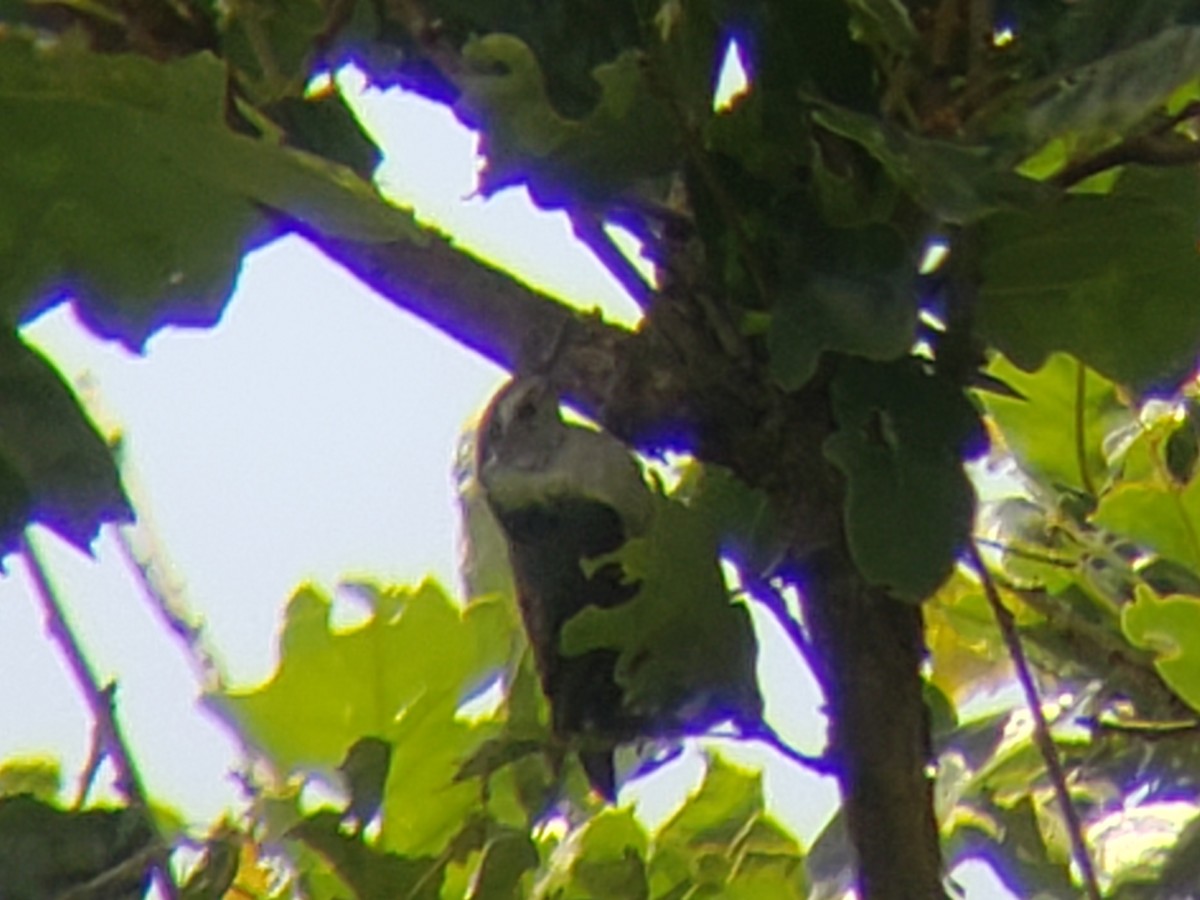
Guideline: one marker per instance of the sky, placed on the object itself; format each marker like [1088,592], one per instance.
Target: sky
[309,437]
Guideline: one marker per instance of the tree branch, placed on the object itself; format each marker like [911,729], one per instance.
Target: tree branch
[476,304]
[638,385]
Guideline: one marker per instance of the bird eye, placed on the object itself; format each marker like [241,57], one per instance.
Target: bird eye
[526,411]
[494,431]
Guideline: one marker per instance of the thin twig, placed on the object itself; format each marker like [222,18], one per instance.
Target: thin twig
[772,599]
[764,733]
[1080,425]
[590,230]
[99,702]
[1146,731]
[1161,147]
[146,561]
[125,871]
[1041,728]
[96,754]
[1060,562]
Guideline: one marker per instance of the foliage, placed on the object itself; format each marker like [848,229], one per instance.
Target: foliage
[681,603]
[1052,150]
[47,850]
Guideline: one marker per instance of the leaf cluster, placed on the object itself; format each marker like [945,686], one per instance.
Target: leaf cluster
[1049,150]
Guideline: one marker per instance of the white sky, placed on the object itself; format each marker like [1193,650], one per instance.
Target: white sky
[308,437]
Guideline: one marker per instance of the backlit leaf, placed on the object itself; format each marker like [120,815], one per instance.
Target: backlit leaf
[1042,427]
[967,655]
[1160,516]
[605,858]
[399,677]
[722,841]
[1170,626]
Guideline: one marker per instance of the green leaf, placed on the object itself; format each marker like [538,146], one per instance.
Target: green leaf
[1182,448]
[568,39]
[809,48]
[365,771]
[885,24]
[507,856]
[124,187]
[856,297]
[39,777]
[1112,94]
[851,192]
[729,799]
[399,677]
[1109,279]
[496,753]
[46,851]
[1170,626]
[902,435]
[271,43]
[1157,515]
[54,468]
[1043,429]
[372,874]
[748,527]
[324,124]
[1018,851]
[955,182]
[1061,38]
[604,859]
[967,656]
[686,653]
[628,135]
[721,843]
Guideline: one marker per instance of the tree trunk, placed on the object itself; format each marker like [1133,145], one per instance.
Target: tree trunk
[870,648]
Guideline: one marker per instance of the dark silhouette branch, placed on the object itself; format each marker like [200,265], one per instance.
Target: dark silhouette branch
[1162,147]
[772,599]
[99,700]
[478,305]
[588,226]
[1042,737]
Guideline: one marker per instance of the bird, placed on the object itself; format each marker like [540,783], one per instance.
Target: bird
[564,494]
[589,540]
